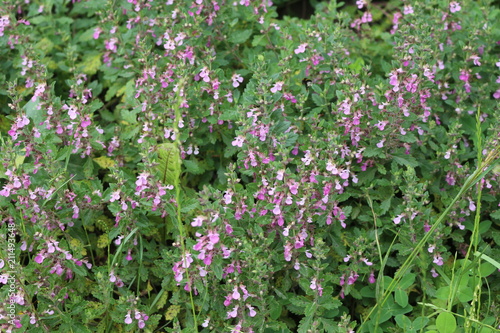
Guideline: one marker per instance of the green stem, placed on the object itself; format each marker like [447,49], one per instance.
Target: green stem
[177,187]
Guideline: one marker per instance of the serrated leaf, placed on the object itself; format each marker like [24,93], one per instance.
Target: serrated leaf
[104,162]
[259,40]
[240,36]
[90,63]
[291,139]
[318,100]
[45,44]
[304,325]
[300,301]
[384,206]
[193,167]
[406,160]
[88,168]
[189,205]
[311,309]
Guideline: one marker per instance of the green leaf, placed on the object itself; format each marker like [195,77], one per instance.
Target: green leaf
[405,160]
[240,36]
[91,63]
[446,323]
[420,322]
[274,309]
[495,215]
[488,259]
[169,163]
[259,40]
[318,100]
[305,325]
[193,167]
[385,205]
[33,111]
[401,297]
[407,281]
[465,294]
[403,321]
[88,167]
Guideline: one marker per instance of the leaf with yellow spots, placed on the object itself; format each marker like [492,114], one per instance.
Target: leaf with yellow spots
[104,162]
[91,63]
[103,241]
[172,312]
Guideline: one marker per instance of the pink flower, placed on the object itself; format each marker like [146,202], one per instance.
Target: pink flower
[237,79]
[454,7]
[475,59]
[288,253]
[39,258]
[393,81]
[238,141]
[407,10]
[97,32]
[397,219]
[235,294]
[496,94]
[213,237]
[251,311]
[352,278]
[233,313]
[204,74]
[438,260]
[301,48]
[228,197]
[368,263]
[313,284]
[198,221]
[277,87]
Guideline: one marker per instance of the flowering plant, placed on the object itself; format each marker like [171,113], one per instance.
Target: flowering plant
[205,166]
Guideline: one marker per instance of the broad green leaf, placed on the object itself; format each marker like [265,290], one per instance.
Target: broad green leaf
[420,322]
[274,309]
[465,294]
[259,40]
[403,321]
[401,297]
[446,323]
[407,281]
[240,36]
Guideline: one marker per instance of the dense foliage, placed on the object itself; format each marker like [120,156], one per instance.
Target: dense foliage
[211,166]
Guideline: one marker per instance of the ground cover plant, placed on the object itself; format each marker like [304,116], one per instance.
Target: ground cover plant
[217,166]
